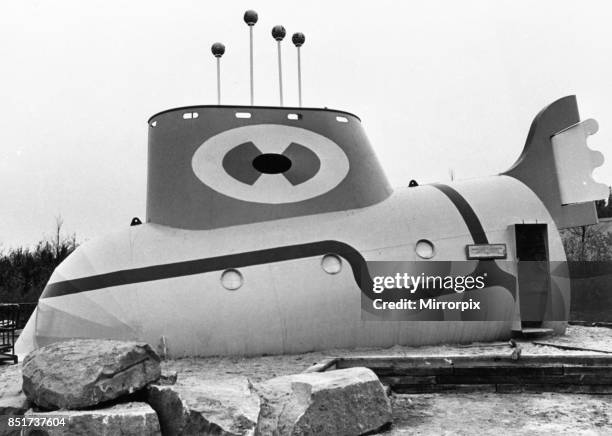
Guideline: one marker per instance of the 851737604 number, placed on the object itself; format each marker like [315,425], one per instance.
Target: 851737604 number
[35,421]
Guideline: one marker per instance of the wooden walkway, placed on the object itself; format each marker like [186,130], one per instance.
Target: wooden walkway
[588,373]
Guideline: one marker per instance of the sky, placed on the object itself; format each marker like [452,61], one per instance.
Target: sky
[439,85]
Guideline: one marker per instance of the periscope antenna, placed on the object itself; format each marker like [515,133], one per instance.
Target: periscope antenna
[298,39]
[250,18]
[218,50]
[278,33]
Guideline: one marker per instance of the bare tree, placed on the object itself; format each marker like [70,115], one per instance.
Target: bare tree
[57,237]
[587,243]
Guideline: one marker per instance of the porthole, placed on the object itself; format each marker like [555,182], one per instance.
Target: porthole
[231,279]
[331,264]
[425,249]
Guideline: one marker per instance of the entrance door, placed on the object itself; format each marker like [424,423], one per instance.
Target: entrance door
[533,272]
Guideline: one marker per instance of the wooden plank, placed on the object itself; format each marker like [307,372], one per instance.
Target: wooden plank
[579,369]
[569,388]
[577,379]
[421,389]
[534,332]
[403,362]
[505,364]
[485,344]
[581,323]
[531,369]
[412,371]
[591,373]
[407,362]
[408,380]
[522,370]
[538,359]
[393,362]
[571,347]
[575,359]
[323,365]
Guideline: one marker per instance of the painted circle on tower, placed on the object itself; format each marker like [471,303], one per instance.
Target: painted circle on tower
[270,163]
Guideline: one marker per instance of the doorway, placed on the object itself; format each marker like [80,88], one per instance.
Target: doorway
[533,271]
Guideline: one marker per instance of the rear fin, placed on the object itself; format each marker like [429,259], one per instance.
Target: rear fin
[557,165]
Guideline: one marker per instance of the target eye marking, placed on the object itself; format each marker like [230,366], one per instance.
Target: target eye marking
[270,163]
[237,163]
[309,164]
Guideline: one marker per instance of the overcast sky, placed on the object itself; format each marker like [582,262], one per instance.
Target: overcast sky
[437,84]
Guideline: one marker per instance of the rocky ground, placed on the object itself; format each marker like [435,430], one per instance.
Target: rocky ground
[455,413]
[501,414]
[445,413]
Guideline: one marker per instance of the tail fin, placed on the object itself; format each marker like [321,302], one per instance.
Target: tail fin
[557,165]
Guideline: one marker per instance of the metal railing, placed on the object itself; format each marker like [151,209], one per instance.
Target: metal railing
[9,319]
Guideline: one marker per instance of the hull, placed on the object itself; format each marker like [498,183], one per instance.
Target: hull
[288,305]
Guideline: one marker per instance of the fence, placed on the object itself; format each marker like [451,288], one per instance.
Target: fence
[9,316]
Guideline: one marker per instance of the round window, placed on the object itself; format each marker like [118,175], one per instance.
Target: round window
[331,264]
[425,249]
[231,279]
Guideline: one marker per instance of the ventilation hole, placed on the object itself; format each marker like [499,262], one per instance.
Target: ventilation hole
[342,119]
[331,264]
[190,115]
[271,163]
[231,279]
[294,116]
[154,124]
[243,115]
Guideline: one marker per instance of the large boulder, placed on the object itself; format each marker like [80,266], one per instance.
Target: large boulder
[126,419]
[84,372]
[342,402]
[194,406]
[12,399]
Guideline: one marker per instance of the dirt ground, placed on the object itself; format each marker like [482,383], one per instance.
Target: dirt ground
[501,414]
[474,413]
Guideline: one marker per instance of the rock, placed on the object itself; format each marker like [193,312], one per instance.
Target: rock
[84,372]
[341,402]
[224,407]
[167,378]
[124,419]
[12,399]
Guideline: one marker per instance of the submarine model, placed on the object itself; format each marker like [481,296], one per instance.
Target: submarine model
[265,225]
